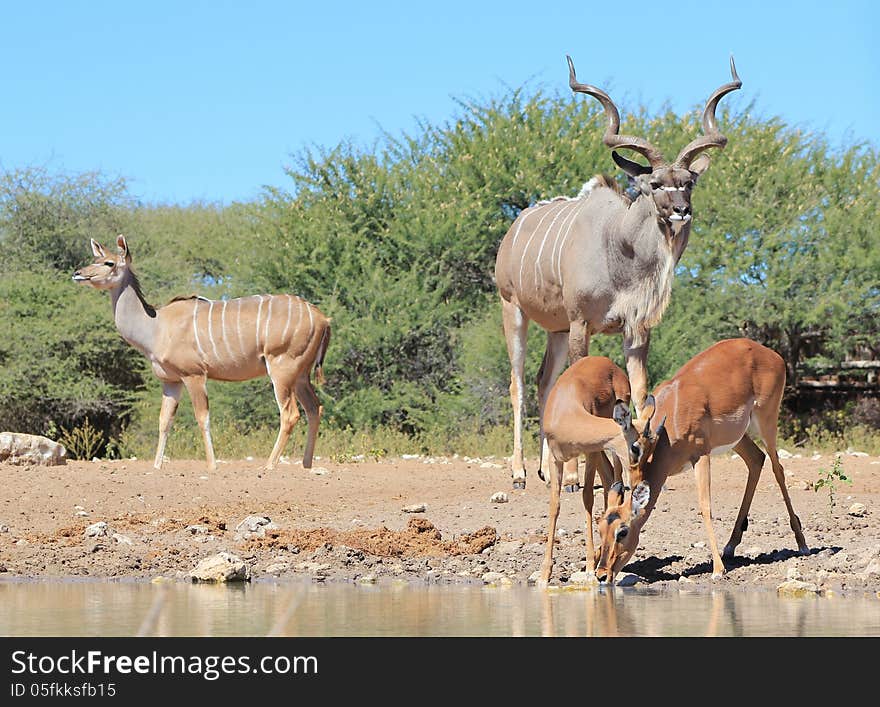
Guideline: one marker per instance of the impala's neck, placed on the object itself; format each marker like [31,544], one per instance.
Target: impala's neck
[135,319]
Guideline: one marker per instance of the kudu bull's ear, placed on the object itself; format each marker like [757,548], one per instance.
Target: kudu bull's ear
[633,169]
[97,249]
[700,165]
[622,415]
[640,495]
[122,246]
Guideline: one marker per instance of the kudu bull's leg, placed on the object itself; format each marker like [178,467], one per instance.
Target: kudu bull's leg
[551,366]
[515,332]
[198,393]
[767,425]
[754,459]
[637,370]
[289,415]
[170,399]
[552,516]
[703,472]
[307,397]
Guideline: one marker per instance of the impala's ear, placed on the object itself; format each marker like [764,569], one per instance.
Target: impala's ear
[640,495]
[97,249]
[622,415]
[660,428]
[700,165]
[615,495]
[122,246]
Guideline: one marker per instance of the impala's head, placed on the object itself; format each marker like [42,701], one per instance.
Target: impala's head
[108,270]
[668,185]
[622,521]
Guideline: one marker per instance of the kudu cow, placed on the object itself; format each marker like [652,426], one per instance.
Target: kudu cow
[192,339]
[716,402]
[599,263]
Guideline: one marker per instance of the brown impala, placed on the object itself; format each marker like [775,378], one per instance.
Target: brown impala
[192,339]
[716,402]
[599,263]
[585,397]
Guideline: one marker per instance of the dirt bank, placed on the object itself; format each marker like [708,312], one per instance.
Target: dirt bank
[344,522]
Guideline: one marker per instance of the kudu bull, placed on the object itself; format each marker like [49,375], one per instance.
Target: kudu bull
[599,263]
[192,339]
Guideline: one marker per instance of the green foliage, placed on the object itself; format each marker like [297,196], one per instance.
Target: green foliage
[829,478]
[397,243]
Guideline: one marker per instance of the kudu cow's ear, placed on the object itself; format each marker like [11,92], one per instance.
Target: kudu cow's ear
[700,165]
[97,249]
[640,495]
[122,246]
[622,415]
[633,169]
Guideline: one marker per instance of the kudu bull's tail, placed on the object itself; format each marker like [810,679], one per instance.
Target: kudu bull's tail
[322,351]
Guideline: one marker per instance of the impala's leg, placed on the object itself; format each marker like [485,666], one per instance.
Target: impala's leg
[307,397]
[552,515]
[170,399]
[287,410]
[515,331]
[608,474]
[754,459]
[704,491]
[589,479]
[768,433]
[637,369]
[551,366]
[198,393]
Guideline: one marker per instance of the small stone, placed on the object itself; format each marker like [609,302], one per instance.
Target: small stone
[492,577]
[793,573]
[366,579]
[784,453]
[78,508]
[583,578]
[97,530]
[628,579]
[490,465]
[319,470]
[254,527]
[315,568]
[561,533]
[197,529]
[685,580]
[854,453]
[534,576]
[415,508]
[872,568]
[4,528]
[499,497]
[858,510]
[121,539]
[797,588]
[222,567]
[698,544]
[508,547]
[277,567]
[81,513]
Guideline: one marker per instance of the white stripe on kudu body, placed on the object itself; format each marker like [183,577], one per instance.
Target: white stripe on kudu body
[539,273]
[525,249]
[182,361]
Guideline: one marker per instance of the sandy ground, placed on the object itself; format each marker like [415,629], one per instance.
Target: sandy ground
[344,522]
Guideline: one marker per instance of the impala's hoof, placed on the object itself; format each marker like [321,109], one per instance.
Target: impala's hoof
[572,488]
[542,477]
[519,484]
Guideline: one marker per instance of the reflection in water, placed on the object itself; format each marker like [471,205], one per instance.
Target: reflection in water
[301,609]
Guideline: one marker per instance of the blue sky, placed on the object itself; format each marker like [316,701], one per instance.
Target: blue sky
[209,100]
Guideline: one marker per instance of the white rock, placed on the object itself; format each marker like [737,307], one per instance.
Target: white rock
[858,510]
[628,579]
[254,527]
[277,567]
[583,578]
[534,576]
[796,588]
[122,539]
[793,573]
[81,513]
[699,544]
[409,456]
[20,448]
[313,567]
[490,465]
[493,577]
[319,470]
[499,497]
[685,580]
[816,457]
[197,529]
[97,530]
[853,453]
[222,567]
[415,508]
[508,547]
[784,454]
[78,508]
[366,579]
[872,568]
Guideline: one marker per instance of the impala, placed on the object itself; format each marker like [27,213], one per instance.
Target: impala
[599,263]
[584,399]
[716,402]
[192,339]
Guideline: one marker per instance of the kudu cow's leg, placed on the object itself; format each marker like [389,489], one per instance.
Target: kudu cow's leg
[198,393]
[307,397]
[754,459]
[552,516]
[703,471]
[767,425]
[170,399]
[637,370]
[515,332]
[287,410]
[551,366]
